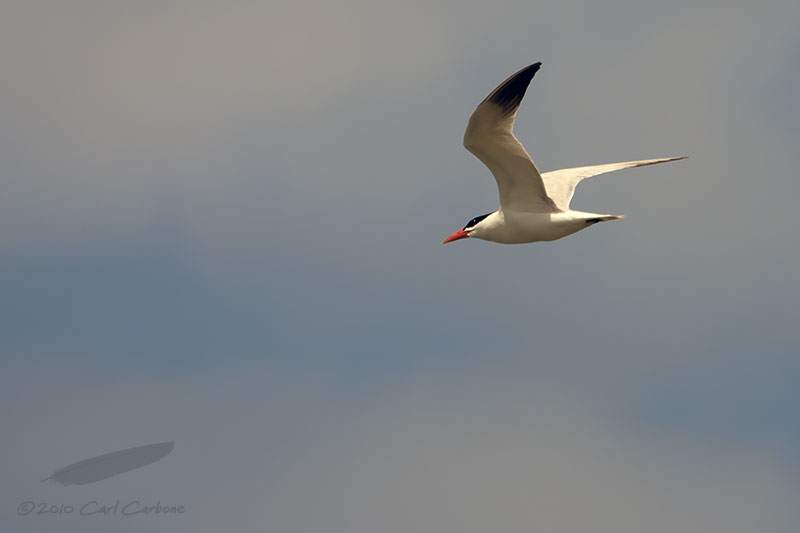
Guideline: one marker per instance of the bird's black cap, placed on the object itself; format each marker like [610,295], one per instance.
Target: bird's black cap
[475,220]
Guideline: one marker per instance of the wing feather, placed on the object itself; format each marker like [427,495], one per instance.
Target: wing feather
[490,137]
[560,184]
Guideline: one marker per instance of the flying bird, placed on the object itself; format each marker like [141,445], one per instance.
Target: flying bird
[533,206]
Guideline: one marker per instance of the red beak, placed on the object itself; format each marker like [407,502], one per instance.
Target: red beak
[460,234]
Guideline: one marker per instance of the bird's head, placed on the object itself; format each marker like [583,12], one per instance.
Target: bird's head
[464,232]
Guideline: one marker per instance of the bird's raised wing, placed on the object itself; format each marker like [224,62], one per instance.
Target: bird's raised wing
[491,138]
[560,184]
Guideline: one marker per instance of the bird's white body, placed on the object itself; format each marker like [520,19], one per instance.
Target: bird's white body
[518,227]
[533,206]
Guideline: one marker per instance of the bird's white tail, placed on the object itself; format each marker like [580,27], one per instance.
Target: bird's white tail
[603,218]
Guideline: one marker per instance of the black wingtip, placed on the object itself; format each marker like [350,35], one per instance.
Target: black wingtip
[510,93]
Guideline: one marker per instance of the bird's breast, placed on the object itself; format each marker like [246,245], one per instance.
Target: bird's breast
[523,227]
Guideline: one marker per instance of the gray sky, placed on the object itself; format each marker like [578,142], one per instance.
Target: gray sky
[220,226]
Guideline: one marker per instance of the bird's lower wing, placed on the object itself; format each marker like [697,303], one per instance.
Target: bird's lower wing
[491,139]
[560,184]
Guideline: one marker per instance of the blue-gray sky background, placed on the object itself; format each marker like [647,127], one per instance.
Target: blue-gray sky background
[220,226]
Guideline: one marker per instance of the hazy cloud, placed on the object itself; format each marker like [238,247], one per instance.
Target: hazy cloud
[477,451]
